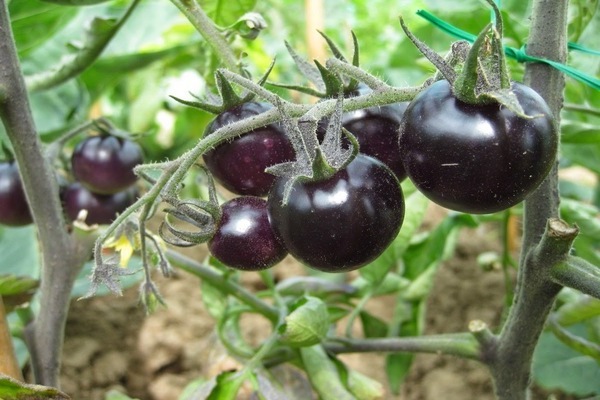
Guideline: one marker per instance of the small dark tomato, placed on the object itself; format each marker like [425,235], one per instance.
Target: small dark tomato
[14,209]
[473,158]
[375,129]
[102,208]
[104,164]
[343,222]
[244,238]
[239,165]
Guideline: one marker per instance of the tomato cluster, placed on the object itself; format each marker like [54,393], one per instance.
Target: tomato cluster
[335,224]
[465,157]
[103,170]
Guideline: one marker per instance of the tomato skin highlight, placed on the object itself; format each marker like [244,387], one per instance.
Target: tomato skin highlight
[343,222]
[104,164]
[477,159]
[244,238]
[14,209]
[239,165]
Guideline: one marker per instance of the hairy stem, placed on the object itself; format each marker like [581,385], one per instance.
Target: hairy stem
[203,24]
[61,256]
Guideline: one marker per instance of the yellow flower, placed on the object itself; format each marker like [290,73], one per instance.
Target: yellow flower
[123,245]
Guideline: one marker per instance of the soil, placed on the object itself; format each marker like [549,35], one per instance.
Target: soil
[112,344]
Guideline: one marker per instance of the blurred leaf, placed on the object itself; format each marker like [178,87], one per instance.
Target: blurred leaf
[587,156]
[397,366]
[373,326]
[587,217]
[415,206]
[267,390]
[11,389]
[577,132]
[75,2]
[580,310]
[116,395]
[35,22]
[438,246]
[227,387]
[16,290]
[226,13]
[556,366]
[20,253]
[323,374]
[215,301]
[307,324]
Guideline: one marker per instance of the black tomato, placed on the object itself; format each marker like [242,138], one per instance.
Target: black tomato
[343,222]
[476,159]
[14,209]
[239,165]
[244,238]
[101,208]
[104,164]
[376,130]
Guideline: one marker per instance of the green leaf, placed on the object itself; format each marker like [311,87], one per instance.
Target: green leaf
[228,385]
[20,252]
[16,290]
[307,324]
[116,395]
[376,271]
[580,310]
[323,374]
[75,2]
[373,326]
[11,389]
[34,22]
[556,366]
[396,367]
[577,132]
[215,301]
[225,12]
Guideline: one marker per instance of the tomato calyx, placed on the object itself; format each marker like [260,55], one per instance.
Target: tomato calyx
[227,97]
[326,82]
[480,75]
[314,161]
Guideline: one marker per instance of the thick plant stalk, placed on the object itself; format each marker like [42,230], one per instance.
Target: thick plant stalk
[61,256]
[544,244]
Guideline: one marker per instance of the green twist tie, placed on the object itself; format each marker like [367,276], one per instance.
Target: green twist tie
[519,54]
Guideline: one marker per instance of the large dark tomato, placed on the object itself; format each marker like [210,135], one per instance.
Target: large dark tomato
[14,209]
[102,208]
[477,159]
[104,164]
[244,238]
[239,165]
[343,222]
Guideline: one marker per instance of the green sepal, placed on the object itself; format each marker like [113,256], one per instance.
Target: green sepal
[227,99]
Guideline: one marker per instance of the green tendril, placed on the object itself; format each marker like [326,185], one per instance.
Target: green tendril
[519,54]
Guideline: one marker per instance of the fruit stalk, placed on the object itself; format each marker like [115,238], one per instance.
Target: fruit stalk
[535,293]
[61,257]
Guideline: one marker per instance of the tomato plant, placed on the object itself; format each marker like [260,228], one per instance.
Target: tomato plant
[470,140]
